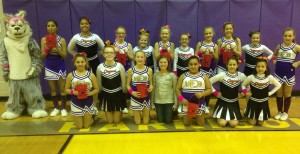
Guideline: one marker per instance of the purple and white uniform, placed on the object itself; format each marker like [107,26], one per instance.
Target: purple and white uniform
[181,58]
[139,77]
[80,106]
[122,51]
[55,64]
[221,65]
[209,71]
[284,71]
[192,84]
[150,58]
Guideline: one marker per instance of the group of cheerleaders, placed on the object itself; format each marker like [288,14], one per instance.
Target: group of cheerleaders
[143,73]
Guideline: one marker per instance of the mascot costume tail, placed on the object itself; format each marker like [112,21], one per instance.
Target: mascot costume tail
[21,61]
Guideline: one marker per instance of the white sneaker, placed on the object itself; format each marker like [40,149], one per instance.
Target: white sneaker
[179,109]
[278,115]
[64,112]
[55,112]
[96,112]
[284,116]
[206,110]
[125,110]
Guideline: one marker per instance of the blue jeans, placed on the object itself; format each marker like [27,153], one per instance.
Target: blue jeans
[164,112]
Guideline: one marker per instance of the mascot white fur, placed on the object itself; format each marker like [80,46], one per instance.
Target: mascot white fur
[20,57]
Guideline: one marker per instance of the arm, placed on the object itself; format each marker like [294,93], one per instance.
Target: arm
[297,49]
[219,42]
[150,72]
[95,86]
[99,78]
[268,51]
[275,54]
[216,53]
[43,45]
[63,50]
[246,83]
[68,85]
[71,46]
[153,91]
[175,60]
[35,54]
[197,49]
[276,84]
[100,44]
[237,51]
[216,78]
[123,78]
[4,61]
[156,52]
[129,52]
[208,89]
[172,51]
[178,90]
[174,82]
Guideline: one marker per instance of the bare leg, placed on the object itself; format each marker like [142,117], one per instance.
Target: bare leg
[200,119]
[109,117]
[252,121]
[222,122]
[186,120]
[87,120]
[233,123]
[137,116]
[78,121]
[146,115]
[117,116]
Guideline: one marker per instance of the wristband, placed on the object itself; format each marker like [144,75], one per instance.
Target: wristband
[180,98]
[215,93]
[72,92]
[244,91]
[47,50]
[130,91]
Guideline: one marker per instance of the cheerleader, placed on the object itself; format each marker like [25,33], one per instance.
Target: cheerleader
[139,76]
[193,86]
[284,60]
[164,47]
[55,70]
[82,84]
[227,108]
[111,79]
[143,44]
[182,55]
[229,45]
[257,110]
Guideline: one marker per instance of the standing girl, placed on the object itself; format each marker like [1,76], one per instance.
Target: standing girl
[111,79]
[143,44]
[229,45]
[258,107]
[164,47]
[208,51]
[55,71]
[87,42]
[140,76]
[164,91]
[254,51]
[285,55]
[122,47]
[227,108]
[182,55]
[193,85]
[82,84]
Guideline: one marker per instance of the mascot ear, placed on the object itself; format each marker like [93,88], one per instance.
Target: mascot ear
[21,14]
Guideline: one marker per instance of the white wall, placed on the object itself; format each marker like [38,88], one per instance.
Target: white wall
[3,85]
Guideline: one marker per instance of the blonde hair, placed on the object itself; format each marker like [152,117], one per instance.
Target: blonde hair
[290,29]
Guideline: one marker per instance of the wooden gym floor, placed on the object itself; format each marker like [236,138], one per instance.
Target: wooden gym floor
[212,142]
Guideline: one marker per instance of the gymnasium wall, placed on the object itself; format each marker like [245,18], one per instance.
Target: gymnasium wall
[271,17]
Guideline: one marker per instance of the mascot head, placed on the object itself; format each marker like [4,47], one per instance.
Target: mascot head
[16,25]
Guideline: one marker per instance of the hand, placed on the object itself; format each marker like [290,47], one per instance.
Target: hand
[174,108]
[54,50]
[219,95]
[199,95]
[274,62]
[232,46]
[184,102]
[249,94]
[295,64]
[75,92]
[175,72]
[6,75]
[136,94]
[240,95]
[150,88]
[126,51]
[117,49]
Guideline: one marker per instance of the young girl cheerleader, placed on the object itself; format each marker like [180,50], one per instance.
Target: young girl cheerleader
[54,51]
[87,42]
[227,108]
[164,91]
[254,51]
[82,84]
[193,86]
[143,44]
[123,50]
[208,52]
[258,107]
[285,55]
[111,79]
[182,55]
[229,45]
[139,84]
[164,47]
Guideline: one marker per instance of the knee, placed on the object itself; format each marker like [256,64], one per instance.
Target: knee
[252,122]
[234,124]
[222,123]
[79,126]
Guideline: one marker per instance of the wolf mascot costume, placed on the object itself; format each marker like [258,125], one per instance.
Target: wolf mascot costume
[20,57]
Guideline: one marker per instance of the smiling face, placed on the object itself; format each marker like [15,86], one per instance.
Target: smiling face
[232,66]
[228,30]
[109,53]
[184,40]
[80,63]
[121,33]
[165,34]
[163,63]
[51,27]
[208,34]
[140,58]
[194,66]
[255,39]
[85,25]
[17,27]
[143,40]
[261,67]
[288,37]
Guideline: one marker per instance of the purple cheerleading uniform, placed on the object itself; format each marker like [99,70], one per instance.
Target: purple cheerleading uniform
[192,84]
[221,65]
[122,51]
[209,71]
[80,106]
[284,71]
[55,64]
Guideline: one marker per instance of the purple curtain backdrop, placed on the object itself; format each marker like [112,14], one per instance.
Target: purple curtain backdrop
[271,17]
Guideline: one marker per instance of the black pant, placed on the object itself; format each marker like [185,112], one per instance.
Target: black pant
[164,112]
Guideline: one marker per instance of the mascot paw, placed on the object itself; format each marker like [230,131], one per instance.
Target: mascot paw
[9,115]
[39,114]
